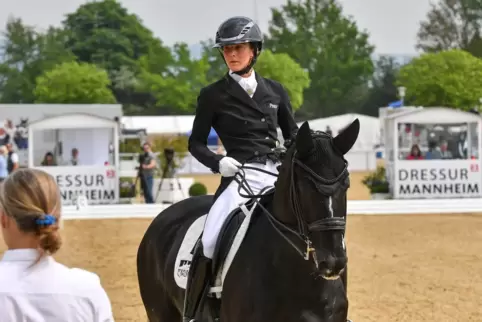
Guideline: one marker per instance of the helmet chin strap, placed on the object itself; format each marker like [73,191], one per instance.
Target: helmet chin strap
[246,69]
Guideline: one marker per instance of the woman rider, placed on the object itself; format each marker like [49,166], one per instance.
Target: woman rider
[245,109]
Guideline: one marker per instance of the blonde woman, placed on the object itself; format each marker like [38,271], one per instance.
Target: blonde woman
[33,286]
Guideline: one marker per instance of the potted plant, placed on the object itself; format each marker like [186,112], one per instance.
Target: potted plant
[197,189]
[127,189]
[377,183]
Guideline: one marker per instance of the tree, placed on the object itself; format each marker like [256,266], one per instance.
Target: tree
[178,89]
[105,34]
[26,55]
[383,89]
[144,73]
[217,66]
[452,24]
[74,83]
[447,78]
[337,55]
[283,69]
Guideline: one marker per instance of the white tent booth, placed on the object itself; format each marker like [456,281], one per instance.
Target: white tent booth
[362,156]
[96,175]
[449,163]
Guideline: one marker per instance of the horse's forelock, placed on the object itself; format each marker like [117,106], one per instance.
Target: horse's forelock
[324,160]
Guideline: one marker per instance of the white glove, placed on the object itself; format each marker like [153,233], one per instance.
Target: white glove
[228,167]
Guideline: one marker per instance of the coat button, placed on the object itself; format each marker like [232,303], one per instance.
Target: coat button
[256,153]
[263,119]
[267,138]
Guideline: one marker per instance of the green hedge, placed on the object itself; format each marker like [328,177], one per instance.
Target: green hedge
[197,189]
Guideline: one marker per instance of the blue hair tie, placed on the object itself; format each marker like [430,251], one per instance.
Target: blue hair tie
[47,220]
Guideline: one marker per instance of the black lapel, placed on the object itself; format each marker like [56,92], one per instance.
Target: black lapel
[262,93]
[235,90]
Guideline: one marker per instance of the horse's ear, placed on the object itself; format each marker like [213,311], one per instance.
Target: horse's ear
[345,140]
[304,141]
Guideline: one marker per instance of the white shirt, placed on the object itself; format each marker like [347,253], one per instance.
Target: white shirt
[14,157]
[249,84]
[49,291]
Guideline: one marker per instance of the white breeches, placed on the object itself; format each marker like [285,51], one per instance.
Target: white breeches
[230,200]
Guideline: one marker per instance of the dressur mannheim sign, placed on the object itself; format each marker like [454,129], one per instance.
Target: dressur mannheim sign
[431,179]
[99,184]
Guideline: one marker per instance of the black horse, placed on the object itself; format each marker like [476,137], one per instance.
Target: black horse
[289,264]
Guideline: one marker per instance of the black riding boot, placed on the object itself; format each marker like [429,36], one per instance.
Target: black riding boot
[197,283]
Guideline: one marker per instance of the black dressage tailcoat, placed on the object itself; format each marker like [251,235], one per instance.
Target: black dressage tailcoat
[246,126]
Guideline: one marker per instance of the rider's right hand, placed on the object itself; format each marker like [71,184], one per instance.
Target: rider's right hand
[228,167]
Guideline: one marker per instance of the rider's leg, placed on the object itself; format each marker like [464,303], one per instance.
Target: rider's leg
[197,283]
[219,212]
[200,269]
[258,180]
[201,264]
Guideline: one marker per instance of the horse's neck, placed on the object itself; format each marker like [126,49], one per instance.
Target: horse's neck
[273,269]
[270,260]
[282,208]
[265,239]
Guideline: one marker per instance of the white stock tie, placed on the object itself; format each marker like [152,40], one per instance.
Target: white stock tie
[249,84]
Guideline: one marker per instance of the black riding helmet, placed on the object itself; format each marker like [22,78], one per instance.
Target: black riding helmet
[240,30]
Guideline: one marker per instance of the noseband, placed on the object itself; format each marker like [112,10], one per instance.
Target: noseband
[326,187]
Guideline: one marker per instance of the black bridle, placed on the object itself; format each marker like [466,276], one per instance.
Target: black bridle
[327,187]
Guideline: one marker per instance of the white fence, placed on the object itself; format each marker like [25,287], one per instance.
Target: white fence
[355,207]
[359,160]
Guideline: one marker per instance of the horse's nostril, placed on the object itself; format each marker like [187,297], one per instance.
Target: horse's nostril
[327,263]
[332,265]
[331,262]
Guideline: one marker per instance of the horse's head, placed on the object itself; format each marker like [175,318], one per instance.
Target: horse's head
[314,179]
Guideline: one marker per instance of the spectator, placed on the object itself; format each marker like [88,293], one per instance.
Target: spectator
[433,151]
[75,157]
[10,130]
[48,160]
[147,163]
[444,150]
[415,153]
[4,136]
[3,163]
[12,159]
[33,286]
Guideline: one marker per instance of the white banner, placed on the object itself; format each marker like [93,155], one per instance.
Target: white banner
[437,179]
[100,185]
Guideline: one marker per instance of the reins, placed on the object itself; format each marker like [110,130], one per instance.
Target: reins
[304,228]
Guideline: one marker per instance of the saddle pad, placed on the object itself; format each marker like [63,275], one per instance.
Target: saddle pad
[184,256]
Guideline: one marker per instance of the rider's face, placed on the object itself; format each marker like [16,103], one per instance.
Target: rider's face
[237,56]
